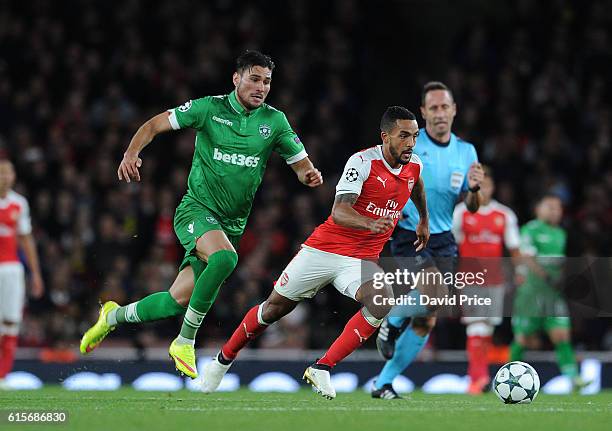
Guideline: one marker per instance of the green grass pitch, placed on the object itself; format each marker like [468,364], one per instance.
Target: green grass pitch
[128,409]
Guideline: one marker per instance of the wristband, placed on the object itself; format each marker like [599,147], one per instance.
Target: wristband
[474,189]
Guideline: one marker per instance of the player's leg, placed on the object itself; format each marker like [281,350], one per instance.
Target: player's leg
[525,331]
[558,329]
[437,259]
[479,333]
[157,306]
[253,324]
[214,248]
[408,345]
[302,278]
[402,246]
[12,299]
[353,278]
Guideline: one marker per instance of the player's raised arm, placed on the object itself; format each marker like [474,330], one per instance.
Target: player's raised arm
[128,168]
[307,173]
[420,202]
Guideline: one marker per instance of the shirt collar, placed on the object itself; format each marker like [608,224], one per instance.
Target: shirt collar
[436,142]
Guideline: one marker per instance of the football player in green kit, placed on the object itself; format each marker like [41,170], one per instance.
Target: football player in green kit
[538,305]
[235,135]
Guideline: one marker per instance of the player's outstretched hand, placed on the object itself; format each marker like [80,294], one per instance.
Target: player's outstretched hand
[475,175]
[313,178]
[382,224]
[422,233]
[128,168]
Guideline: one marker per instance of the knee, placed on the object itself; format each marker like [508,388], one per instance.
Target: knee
[376,301]
[182,300]
[224,260]
[559,337]
[273,311]
[423,325]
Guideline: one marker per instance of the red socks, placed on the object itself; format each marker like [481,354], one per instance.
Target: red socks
[478,361]
[355,333]
[248,329]
[8,345]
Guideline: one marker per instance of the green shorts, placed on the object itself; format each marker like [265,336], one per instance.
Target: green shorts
[522,325]
[539,309]
[191,221]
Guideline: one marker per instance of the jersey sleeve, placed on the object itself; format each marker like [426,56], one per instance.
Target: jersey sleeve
[457,222]
[24,223]
[355,172]
[288,144]
[191,114]
[416,159]
[470,158]
[527,246]
[512,237]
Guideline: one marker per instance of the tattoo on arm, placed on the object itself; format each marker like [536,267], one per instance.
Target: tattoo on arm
[346,198]
[419,199]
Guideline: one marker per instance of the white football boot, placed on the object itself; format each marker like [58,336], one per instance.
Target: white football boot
[318,376]
[213,374]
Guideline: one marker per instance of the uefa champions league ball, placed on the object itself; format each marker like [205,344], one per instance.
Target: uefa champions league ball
[516,383]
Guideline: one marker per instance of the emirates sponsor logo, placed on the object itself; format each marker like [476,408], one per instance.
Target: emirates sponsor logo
[390,209]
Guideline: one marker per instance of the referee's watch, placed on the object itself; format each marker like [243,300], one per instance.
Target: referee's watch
[474,189]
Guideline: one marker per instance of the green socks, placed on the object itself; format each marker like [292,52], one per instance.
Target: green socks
[220,266]
[566,359]
[157,306]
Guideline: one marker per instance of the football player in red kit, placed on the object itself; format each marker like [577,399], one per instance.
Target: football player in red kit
[483,235]
[375,185]
[15,232]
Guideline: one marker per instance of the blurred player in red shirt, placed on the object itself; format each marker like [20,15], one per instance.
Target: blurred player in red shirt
[483,235]
[15,232]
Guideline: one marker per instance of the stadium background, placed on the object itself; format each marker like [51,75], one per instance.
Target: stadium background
[531,80]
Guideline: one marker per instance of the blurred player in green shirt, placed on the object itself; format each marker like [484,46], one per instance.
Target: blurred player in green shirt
[235,136]
[539,305]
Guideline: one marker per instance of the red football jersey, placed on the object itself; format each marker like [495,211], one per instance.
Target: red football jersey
[14,220]
[484,234]
[382,191]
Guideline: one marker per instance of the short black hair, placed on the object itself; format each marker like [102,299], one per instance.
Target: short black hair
[548,195]
[391,115]
[253,58]
[434,85]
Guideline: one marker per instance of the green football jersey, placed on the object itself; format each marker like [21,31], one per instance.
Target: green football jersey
[547,244]
[232,147]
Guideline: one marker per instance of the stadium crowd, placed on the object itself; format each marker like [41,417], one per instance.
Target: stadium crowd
[78,78]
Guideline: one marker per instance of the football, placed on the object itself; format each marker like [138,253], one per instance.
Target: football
[516,383]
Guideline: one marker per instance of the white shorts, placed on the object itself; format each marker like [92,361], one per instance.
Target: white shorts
[12,292]
[312,269]
[491,314]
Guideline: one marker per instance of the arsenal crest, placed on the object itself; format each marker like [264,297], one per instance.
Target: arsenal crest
[410,183]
